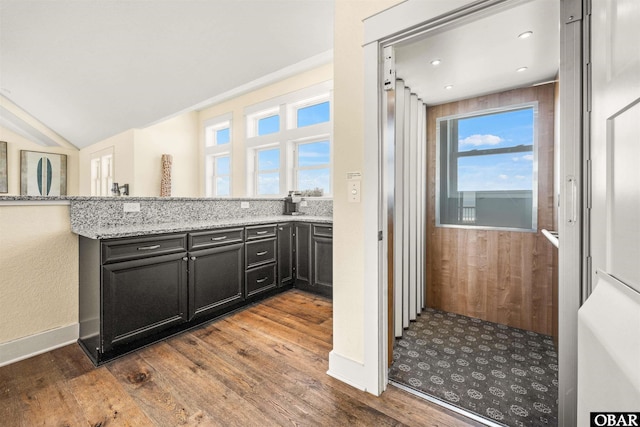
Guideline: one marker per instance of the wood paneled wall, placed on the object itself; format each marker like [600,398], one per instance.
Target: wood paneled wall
[499,276]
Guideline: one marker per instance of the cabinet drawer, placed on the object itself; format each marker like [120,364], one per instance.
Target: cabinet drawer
[127,249]
[261,279]
[323,230]
[209,239]
[261,232]
[260,252]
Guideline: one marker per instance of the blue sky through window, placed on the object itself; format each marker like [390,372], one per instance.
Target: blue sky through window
[313,114]
[313,154]
[268,125]
[496,172]
[269,159]
[223,136]
[222,165]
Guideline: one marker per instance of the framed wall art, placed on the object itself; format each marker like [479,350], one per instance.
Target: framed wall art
[4,176]
[43,174]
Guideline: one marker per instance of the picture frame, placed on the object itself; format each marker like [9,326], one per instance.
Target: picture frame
[43,174]
[4,174]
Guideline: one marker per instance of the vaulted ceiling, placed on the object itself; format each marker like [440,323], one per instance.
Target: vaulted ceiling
[91,69]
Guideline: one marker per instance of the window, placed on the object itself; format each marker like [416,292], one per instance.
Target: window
[313,171]
[312,114]
[268,172]
[487,169]
[289,139]
[219,175]
[217,141]
[102,172]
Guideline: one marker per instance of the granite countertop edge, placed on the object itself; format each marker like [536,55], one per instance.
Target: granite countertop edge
[140,230]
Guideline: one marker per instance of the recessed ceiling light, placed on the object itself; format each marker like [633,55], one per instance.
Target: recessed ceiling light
[436,62]
[448,87]
[521,69]
[525,35]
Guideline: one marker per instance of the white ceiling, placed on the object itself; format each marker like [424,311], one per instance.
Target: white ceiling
[481,56]
[91,69]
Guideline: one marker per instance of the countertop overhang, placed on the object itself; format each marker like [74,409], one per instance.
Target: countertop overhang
[137,230]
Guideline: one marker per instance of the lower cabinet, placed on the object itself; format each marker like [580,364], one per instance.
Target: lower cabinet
[216,279]
[261,252]
[322,259]
[135,291]
[302,255]
[314,258]
[143,297]
[285,254]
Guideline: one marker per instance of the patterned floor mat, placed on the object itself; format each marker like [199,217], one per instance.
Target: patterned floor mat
[504,374]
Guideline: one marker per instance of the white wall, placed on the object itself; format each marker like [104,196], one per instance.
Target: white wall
[39,270]
[123,151]
[177,136]
[348,247]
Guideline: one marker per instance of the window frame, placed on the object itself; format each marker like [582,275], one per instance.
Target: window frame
[102,181]
[451,176]
[296,166]
[289,134]
[214,150]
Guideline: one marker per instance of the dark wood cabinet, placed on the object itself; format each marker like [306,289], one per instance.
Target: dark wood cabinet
[314,258]
[136,291]
[216,279]
[322,259]
[132,292]
[261,255]
[285,254]
[302,255]
[141,298]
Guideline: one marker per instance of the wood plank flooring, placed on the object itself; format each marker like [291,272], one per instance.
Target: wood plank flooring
[264,366]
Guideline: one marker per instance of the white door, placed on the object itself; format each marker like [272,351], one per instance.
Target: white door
[615,139]
[609,321]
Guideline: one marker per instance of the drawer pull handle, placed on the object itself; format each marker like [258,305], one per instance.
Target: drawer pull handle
[148,248]
[264,279]
[261,232]
[217,239]
[261,253]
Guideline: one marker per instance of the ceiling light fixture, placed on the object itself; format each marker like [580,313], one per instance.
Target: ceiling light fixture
[525,35]
[521,69]
[448,87]
[436,62]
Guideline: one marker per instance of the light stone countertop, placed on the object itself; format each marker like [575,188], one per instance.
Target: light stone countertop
[139,230]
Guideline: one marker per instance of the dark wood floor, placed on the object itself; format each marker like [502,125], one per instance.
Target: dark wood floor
[263,366]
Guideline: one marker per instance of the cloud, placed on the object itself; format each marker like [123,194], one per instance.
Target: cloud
[478,140]
[528,157]
[503,176]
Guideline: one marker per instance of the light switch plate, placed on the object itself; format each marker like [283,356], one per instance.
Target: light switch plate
[244,205]
[353,190]
[131,207]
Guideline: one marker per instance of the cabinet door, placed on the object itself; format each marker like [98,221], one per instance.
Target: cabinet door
[303,254]
[216,279]
[143,297]
[322,252]
[285,254]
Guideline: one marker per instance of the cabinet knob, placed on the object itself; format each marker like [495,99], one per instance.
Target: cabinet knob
[193,258]
[185,258]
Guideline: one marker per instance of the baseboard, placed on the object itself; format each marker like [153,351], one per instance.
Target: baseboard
[347,370]
[23,348]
